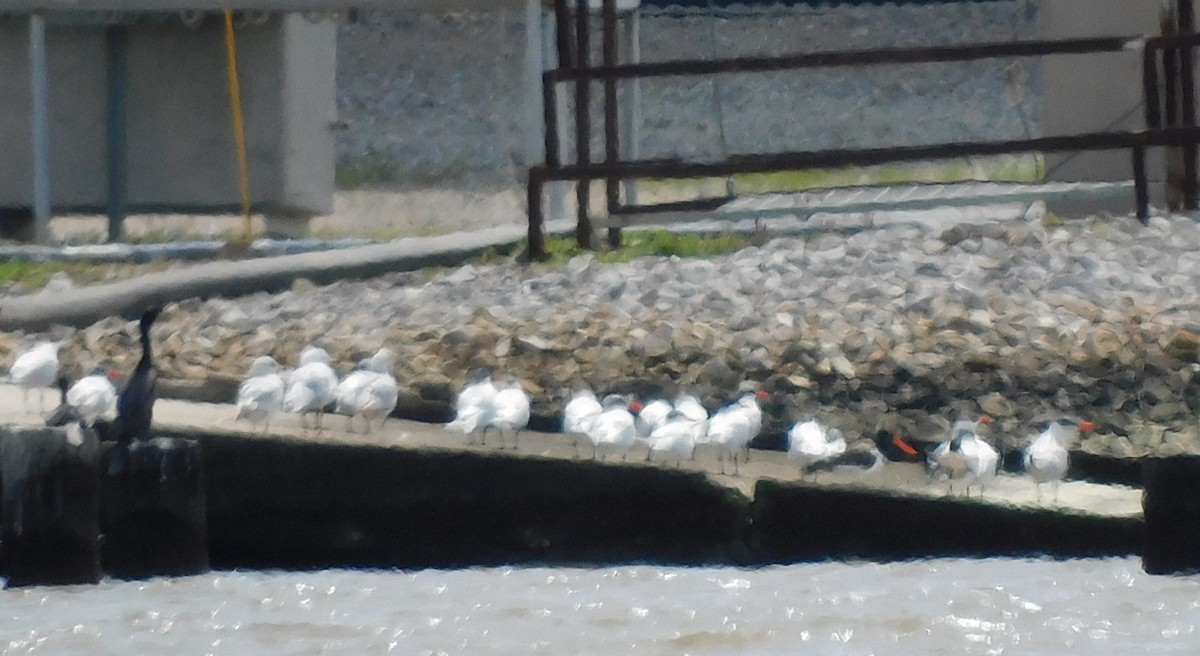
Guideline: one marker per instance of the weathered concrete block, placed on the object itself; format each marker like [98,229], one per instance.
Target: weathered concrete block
[791,523]
[153,510]
[1171,507]
[296,504]
[49,505]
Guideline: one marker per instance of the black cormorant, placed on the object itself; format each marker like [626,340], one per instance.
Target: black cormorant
[135,405]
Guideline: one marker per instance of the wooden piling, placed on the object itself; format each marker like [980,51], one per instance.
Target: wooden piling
[1171,507]
[49,505]
[153,510]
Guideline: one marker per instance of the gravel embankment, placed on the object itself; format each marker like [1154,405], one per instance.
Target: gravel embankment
[889,328]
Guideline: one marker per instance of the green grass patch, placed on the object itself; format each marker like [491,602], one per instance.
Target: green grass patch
[641,243]
[35,275]
[372,170]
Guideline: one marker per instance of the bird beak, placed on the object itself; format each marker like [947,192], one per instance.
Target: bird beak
[903,446]
[1087,426]
[762,395]
[636,406]
[985,420]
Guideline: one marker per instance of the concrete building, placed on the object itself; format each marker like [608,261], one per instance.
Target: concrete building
[138,114]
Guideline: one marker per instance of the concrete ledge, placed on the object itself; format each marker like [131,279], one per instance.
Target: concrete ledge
[86,305]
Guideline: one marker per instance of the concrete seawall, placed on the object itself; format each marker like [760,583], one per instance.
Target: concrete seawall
[413,495]
[296,504]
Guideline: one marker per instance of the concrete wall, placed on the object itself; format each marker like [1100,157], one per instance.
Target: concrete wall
[1092,92]
[180,139]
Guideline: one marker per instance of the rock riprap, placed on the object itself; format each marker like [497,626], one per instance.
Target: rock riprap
[873,331]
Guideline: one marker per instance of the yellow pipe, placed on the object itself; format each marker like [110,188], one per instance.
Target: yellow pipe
[239,122]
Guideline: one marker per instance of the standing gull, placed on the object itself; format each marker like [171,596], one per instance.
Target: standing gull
[94,395]
[311,386]
[260,396]
[474,406]
[510,410]
[578,415]
[370,391]
[1047,458]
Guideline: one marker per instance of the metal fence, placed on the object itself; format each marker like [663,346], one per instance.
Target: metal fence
[1169,125]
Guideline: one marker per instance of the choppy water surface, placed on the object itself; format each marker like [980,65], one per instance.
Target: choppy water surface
[932,607]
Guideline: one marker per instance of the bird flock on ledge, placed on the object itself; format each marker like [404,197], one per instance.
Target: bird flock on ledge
[669,431]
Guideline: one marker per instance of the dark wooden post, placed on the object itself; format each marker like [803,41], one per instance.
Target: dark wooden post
[533,200]
[1141,185]
[1171,511]
[49,505]
[153,510]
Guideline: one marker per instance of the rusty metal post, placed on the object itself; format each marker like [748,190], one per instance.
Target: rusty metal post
[563,34]
[1187,25]
[550,116]
[1170,59]
[1150,88]
[583,133]
[1141,185]
[612,185]
[536,237]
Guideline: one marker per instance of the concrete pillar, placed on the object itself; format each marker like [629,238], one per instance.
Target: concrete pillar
[1171,511]
[49,505]
[1096,92]
[308,103]
[153,510]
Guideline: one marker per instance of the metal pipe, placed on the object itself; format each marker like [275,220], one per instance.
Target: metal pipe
[534,66]
[40,90]
[1187,24]
[583,137]
[239,123]
[550,116]
[612,185]
[1141,186]
[631,145]
[117,60]
[535,238]
[920,55]
[673,169]
[1150,88]
[562,34]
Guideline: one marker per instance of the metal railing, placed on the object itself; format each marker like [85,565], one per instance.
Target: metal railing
[1170,116]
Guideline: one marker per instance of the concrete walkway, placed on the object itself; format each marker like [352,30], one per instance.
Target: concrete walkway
[902,478]
[83,306]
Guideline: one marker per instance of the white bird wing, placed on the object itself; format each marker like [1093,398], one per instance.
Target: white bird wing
[476,395]
[691,408]
[260,393]
[93,395]
[654,414]
[613,426]
[677,437]
[806,439]
[579,414]
[37,367]
[511,409]
[379,396]
[727,428]
[348,391]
